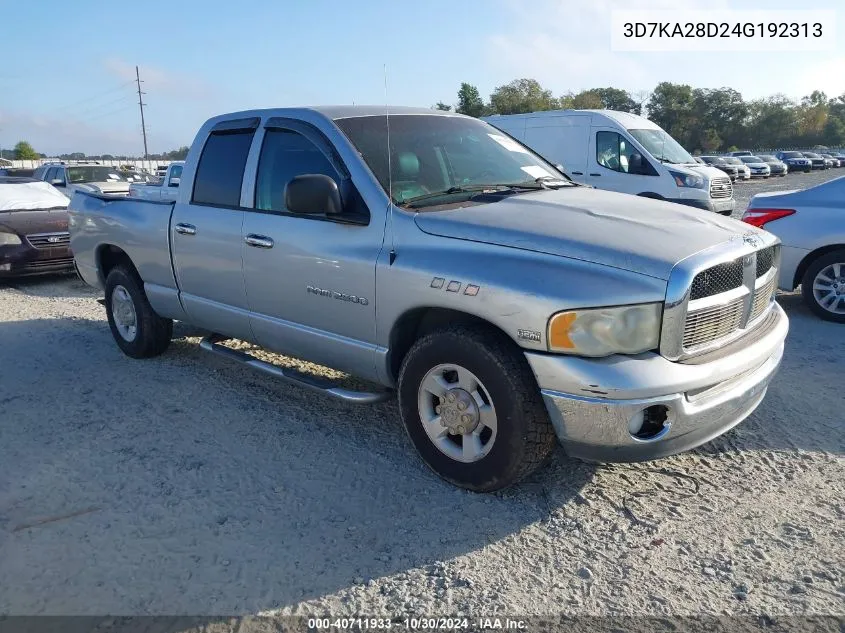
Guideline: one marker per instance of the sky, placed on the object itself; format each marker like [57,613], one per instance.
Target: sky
[67,69]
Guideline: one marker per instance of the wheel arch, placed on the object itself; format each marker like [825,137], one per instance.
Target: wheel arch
[651,194]
[107,257]
[809,258]
[418,322]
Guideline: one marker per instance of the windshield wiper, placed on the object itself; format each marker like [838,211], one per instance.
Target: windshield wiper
[473,189]
[554,182]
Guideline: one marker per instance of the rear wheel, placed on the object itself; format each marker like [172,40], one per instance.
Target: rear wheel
[823,286]
[472,408]
[138,331]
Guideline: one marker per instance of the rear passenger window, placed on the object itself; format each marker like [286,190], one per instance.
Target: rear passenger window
[284,155]
[220,170]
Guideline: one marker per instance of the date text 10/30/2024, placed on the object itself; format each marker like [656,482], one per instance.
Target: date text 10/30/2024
[413,624]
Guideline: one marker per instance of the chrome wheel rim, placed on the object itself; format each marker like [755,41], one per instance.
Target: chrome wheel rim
[829,288]
[123,314]
[457,413]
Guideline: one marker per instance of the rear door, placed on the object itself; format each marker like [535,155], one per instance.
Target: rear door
[561,140]
[205,233]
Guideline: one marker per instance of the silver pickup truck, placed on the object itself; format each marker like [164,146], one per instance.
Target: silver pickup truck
[438,258]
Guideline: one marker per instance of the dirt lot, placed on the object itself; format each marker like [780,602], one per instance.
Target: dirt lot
[185,484]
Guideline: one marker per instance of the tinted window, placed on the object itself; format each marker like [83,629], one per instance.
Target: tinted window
[284,155]
[612,151]
[49,174]
[176,172]
[220,171]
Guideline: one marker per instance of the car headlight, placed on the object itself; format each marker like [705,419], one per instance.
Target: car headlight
[9,239]
[687,180]
[605,331]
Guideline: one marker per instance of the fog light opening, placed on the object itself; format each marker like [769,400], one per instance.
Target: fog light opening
[649,424]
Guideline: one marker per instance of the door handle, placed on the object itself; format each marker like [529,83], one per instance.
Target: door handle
[594,174]
[577,173]
[185,229]
[259,241]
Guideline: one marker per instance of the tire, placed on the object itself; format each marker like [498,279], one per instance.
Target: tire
[151,334]
[524,438]
[827,262]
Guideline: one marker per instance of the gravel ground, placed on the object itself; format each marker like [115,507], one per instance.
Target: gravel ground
[186,484]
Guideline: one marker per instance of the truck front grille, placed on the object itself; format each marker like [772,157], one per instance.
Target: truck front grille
[715,322]
[721,188]
[49,240]
[728,299]
[716,280]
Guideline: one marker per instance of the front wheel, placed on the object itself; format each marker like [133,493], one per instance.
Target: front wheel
[138,331]
[823,286]
[472,408]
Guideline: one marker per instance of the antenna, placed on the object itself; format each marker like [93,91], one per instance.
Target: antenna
[389,172]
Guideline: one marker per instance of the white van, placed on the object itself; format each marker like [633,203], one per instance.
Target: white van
[621,152]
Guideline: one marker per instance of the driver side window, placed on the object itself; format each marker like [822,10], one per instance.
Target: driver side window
[612,151]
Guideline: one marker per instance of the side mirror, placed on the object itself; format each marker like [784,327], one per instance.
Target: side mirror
[636,164]
[57,182]
[174,182]
[313,194]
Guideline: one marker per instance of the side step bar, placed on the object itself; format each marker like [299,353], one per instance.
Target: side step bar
[210,344]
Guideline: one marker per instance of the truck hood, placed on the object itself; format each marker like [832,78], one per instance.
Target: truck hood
[108,186]
[632,233]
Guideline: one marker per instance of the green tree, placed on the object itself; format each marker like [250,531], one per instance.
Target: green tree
[24,151]
[722,110]
[442,106]
[522,95]
[617,99]
[470,101]
[671,107]
[710,140]
[834,132]
[587,100]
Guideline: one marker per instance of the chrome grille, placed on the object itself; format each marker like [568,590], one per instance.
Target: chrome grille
[49,240]
[765,260]
[762,297]
[717,280]
[711,323]
[721,188]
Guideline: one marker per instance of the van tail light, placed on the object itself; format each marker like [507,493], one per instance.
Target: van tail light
[761,217]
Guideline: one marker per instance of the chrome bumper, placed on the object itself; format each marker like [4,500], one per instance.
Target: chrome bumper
[590,401]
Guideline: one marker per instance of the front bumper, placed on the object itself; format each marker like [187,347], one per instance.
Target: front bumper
[725,206]
[24,260]
[590,401]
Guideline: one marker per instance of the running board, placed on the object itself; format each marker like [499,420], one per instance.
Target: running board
[211,344]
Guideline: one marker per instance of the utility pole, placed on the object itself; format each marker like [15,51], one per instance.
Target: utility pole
[141,105]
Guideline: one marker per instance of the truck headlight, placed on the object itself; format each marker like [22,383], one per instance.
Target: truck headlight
[9,239]
[687,180]
[605,331]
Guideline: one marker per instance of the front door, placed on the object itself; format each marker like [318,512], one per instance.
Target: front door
[310,279]
[608,163]
[206,241]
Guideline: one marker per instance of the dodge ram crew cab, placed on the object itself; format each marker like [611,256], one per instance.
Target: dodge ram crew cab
[442,260]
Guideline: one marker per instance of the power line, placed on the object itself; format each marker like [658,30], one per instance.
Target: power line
[105,104]
[103,115]
[96,96]
[141,105]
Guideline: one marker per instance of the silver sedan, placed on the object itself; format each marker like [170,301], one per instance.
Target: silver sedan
[810,224]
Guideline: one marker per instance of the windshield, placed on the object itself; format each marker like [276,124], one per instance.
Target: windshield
[792,155]
[442,154]
[730,160]
[811,155]
[94,174]
[768,159]
[714,160]
[662,146]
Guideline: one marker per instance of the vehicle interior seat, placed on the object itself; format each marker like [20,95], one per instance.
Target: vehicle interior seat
[407,172]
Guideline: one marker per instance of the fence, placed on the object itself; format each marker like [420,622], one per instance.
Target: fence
[149,165]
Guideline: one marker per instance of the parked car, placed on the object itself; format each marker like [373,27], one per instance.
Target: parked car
[758,167]
[741,153]
[795,161]
[818,161]
[503,302]
[620,151]
[133,174]
[83,177]
[839,156]
[809,225]
[777,167]
[722,165]
[744,171]
[166,189]
[832,161]
[33,229]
